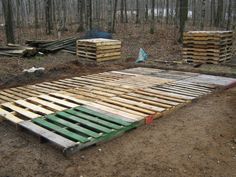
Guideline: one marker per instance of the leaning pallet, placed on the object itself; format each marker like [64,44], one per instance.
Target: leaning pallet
[99,49]
[207,46]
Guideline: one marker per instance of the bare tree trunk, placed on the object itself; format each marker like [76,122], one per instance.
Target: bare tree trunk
[219,15]
[167,11]
[48,15]
[36,21]
[229,15]
[177,13]
[126,14]
[183,17]
[122,11]
[137,12]
[64,15]
[153,18]
[234,17]
[114,16]
[194,10]
[81,15]
[8,16]
[18,5]
[203,15]
[146,10]
[109,16]
[89,15]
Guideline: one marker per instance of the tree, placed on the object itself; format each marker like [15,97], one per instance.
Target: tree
[234,16]
[122,11]
[213,12]
[109,16]
[89,15]
[176,12]
[146,10]
[81,15]
[183,17]
[137,12]
[219,15]
[64,15]
[36,21]
[18,6]
[194,10]
[229,15]
[48,16]
[203,14]
[167,11]
[114,16]
[126,14]
[8,16]
[153,17]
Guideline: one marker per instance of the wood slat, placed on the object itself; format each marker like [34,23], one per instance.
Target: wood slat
[33,107]
[58,101]
[19,110]
[9,116]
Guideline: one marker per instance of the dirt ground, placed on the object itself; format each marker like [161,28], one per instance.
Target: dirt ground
[63,65]
[197,140]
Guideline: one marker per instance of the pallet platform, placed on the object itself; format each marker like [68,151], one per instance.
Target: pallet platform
[81,111]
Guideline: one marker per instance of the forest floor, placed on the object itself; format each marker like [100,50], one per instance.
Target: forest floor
[162,47]
[197,140]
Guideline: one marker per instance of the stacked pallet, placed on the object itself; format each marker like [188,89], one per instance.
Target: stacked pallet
[99,49]
[207,46]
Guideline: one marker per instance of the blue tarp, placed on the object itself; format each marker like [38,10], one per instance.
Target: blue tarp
[97,34]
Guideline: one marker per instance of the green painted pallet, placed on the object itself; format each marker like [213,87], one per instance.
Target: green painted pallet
[80,127]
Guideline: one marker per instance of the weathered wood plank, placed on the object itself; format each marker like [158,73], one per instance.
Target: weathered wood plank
[52,137]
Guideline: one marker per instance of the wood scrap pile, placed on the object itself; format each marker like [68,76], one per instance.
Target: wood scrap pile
[12,50]
[68,45]
[207,46]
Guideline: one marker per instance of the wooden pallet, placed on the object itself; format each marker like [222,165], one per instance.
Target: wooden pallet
[210,43]
[101,59]
[12,94]
[74,113]
[207,47]
[78,128]
[200,56]
[110,96]
[161,74]
[206,53]
[217,51]
[207,38]
[206,61]
[185,89]
[99,49]
[208,33]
